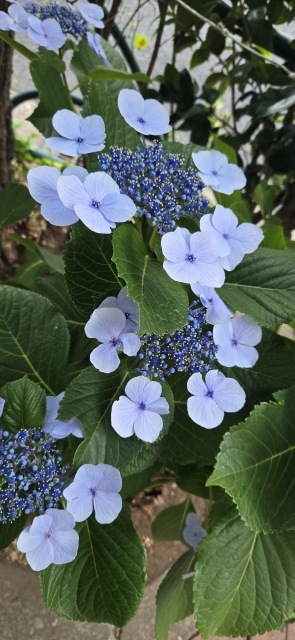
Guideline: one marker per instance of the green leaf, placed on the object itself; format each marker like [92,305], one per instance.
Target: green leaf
[51,58]
[274,101]
[34,340]
[25,405]
[263,287]
[105,582]
[15,204]
[255,466]
[90,397]
[113,74]
[90,274]
[163,303]
[194,482]
[137,482]
[30,55]
[244,581]
[37,260]
[170,523]
[274,239]
[175,595]
[52,93]
[11,530]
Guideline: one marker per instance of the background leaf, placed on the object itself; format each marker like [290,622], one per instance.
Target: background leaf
[175,595]
[15,204]
[11,530]
[52,93]
[170,523]
[25,405]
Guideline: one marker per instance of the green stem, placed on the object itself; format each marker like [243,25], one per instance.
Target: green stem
[153,240]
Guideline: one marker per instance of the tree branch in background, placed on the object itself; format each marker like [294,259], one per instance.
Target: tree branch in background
[6,137]
[163,6]
[111,19]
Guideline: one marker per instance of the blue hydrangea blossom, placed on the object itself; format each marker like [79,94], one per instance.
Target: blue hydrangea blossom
[92,13]
[216,172]
[213,397]
[148,117]
[42,184]
[79,135]
[97,202]
[141,411]
[51,539]
[127,305]
[48,33]
[233,241]
[108,327]
[55,427]
[192,257]
[217,310]
[70,21]
[15,20]
[193,531]
[94,42]
[95,487]
[235,341]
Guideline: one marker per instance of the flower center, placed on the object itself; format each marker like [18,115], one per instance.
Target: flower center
[95,204]
[234,342]
[115,342]
[93,491]
[141,120]
[79,139]
[48,534]
[225,235]
[190,258]
[215,173]
[210,393]
[127,315]
[142,406]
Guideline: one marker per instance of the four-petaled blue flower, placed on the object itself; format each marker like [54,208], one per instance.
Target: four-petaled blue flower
[140,412]
[148,117]
[46,33]
[213,397]
[109,327]
[95,486]
[51,539]
[127,305]
[235,341]
[55,427]
[217,310]
[79,135]
[215,171]
[233,240]
[192,257]
[16,19]
[193,532]
[93,40]
[42,184]
[92,13]
[97,202]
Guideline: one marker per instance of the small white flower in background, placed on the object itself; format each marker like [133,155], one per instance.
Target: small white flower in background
[194,531]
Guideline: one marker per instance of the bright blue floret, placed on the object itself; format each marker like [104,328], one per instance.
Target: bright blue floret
[31,472]
[162,189]
[189,350]
[71,22]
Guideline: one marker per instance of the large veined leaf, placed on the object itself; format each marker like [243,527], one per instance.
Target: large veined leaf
[90,397]
[256,466]
[244,581]
[11,530]
[90,273]
[15,204]
[105,582]
[24,405]
[263,287]
[34,340]
[163,303]
[52,93]
[175,595]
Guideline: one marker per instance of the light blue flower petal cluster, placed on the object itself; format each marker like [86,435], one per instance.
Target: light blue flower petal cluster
[108,327]
[15,20]
[46,33]
[93,40]
[148,117]
[42,184]
[192,257]
[92,13]
[56,428]
[215,171]
[217,310]
[50,539]
[79,135]
[193,532]
[127,305]
[233,241]
[97,202]
[141,411]
[95,487]
[212,397]
[235,341]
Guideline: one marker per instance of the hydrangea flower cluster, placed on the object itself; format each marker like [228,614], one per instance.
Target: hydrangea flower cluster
[71,22]
[31,472]
[161,188]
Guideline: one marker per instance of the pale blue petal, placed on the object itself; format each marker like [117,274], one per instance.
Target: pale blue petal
[111,479]
[89,474]
[95,45]
[235,256]
[196,385]
[209,161]
[249,236]
[130,310]
[105,324]
[61,520]
[54,211]
[99,185]
[71,191]
[214,379]
[107,506]
[211,275]
[67,123]
[94,219]
[67,147]
[35,31]
[135,388]
[131,343]
[246,331]
[131,107]
[92,14]
[148,426]
[160,406]
[206,223]
[65,545]
[93,130]
[87,147]
[29,541]
[206,226]
[209,179]
[79,172]
[5,21]
[123,414]
[42,556]
[224,220]
[217,310]
[185,271]
[120,211]
[76,428]
[79,500]
[20,16]
[55,38]
[176,245]
[156,118]
[2,403]
[151,392]
[193,532]
[230,179]
[204,411]
[230,396]
[42,183]
[110,303]
[105,358]
[204,247]
[41,524]
[237,355]
[223,334]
